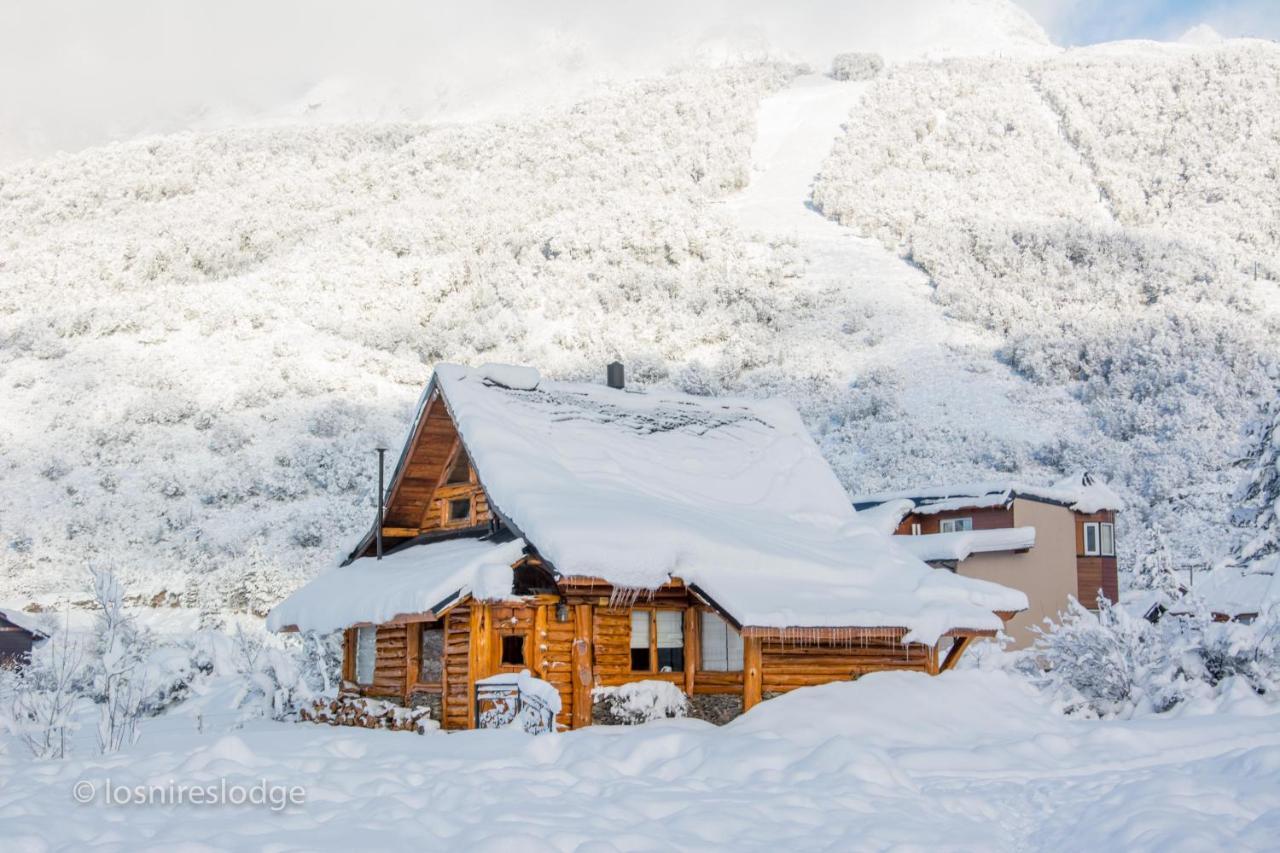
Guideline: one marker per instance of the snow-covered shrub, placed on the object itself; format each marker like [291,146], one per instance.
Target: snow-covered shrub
[1107,662]
[856,66]
[640,702]
[282,675]
[39,702]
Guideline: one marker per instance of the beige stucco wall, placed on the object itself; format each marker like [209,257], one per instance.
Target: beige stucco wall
[1046,573]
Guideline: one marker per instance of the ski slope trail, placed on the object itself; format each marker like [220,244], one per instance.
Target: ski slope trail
[878,317]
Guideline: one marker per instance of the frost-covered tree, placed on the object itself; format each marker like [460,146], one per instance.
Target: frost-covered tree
[118,666]
[1258,494]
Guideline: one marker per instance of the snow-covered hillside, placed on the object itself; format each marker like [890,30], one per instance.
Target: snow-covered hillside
[203,336]
[1105,214]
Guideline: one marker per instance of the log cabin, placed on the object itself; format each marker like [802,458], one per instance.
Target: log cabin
[598,535]
[1052,542]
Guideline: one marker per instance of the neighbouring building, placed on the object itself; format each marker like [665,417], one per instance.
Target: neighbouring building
[1050,542]
[18,635]
[597,536]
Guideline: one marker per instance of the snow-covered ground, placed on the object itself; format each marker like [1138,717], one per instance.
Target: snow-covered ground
[945,372]
[971,760]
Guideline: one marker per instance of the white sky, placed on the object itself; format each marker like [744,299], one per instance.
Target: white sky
[78,73]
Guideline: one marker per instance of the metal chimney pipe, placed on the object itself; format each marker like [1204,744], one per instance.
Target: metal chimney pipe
[382,454]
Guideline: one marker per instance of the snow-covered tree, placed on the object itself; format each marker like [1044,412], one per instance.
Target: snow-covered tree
[1258,494]
[119,670]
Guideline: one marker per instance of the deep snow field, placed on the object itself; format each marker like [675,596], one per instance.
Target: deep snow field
[971,760]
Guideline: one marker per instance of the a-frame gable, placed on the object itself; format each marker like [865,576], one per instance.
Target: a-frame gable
[420,499]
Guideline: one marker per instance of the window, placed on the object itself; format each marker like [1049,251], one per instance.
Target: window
[915,528]
[657,641]
[670,640]
[431,653]
[460,509]
[513,651]
[366,654]
[721,645]
[1107,539]
[1091,539]
[640,640]
[955,525]
[461,470]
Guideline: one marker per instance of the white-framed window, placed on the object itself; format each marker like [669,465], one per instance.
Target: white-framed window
[721,644]
[366,654]
[1107,539]
[915,528]
[955,525]
[1091,543]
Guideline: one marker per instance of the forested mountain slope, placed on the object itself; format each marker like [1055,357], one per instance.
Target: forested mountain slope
[1110,213]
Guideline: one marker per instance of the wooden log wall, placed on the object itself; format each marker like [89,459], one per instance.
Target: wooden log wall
[457,689]
[389,666]
[786,666]
[593,648]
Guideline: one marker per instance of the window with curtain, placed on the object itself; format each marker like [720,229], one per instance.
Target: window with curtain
[1107,539]
[657,641]
[366,654]
[640,641]
[721,644]
[670,625]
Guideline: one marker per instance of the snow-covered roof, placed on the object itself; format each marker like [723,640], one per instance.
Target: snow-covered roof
[1082,492]
[733,496]
[1241,590]
[960,545]
[414,580]
[23,620]
[636,488]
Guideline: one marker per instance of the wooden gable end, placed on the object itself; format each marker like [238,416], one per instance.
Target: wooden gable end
[424,497]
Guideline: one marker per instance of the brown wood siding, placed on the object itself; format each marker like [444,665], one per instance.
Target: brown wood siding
[984,518]
[1095,572]
[389,662]
[557,661]
[457,647]
[786,666]
[611,644]
[419,500]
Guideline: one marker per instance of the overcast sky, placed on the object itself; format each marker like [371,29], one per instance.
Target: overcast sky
[79,73]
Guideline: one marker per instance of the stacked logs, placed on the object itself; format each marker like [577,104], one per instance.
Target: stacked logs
[365,713]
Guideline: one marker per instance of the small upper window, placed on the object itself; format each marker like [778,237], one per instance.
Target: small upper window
[1091,539]
[461,470]
[1107,539]
[955,525]
[513,651]
[915,528]
[366,654]
[460,510]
